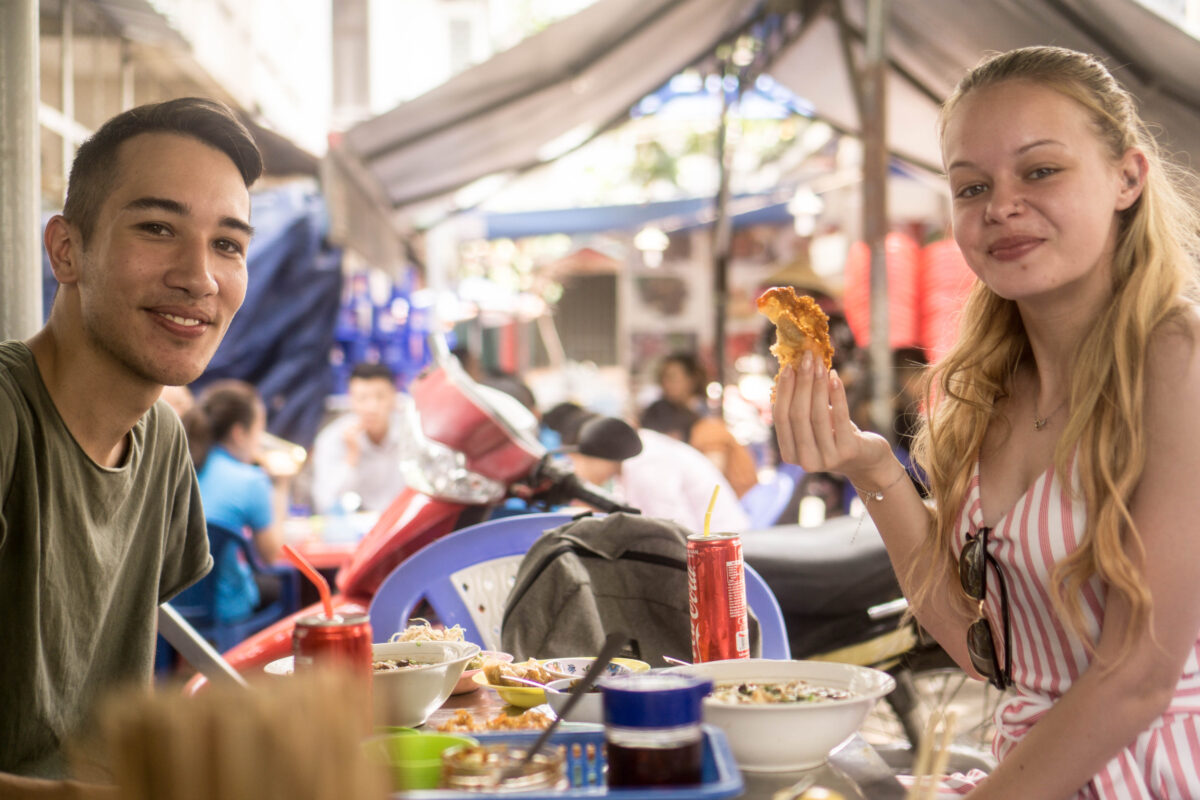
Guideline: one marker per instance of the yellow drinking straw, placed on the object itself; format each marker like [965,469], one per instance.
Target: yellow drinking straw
[712,502]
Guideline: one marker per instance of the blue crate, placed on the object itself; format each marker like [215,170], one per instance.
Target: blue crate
[719,777]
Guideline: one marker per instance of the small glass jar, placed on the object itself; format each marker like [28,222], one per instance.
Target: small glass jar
[652,729]
[480,768]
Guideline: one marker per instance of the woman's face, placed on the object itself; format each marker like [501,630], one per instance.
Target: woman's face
[1035,192]
[676,383]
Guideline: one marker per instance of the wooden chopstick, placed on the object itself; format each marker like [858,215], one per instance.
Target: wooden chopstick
[930,764]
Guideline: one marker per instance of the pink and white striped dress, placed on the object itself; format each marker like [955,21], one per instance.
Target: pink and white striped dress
[1043,527]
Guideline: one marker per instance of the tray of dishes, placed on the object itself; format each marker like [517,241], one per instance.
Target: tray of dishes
[584,768]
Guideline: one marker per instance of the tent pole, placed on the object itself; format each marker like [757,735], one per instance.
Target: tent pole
[20,173]
[722,240]
[875,214]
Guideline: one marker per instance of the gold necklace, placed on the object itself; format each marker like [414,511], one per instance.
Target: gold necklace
[1040,422]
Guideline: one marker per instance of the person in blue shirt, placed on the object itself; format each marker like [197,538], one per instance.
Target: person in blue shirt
[225,434]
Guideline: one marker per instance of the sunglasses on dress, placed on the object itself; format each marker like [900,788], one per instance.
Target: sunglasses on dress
[973,564]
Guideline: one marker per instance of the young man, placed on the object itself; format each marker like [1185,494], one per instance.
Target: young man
[100,518]
[356,458]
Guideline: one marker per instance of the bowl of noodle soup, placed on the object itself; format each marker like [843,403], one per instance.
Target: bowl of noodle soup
[787,715]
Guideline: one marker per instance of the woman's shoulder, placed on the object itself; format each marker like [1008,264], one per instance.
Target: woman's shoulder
[1173,362]
[1174,346]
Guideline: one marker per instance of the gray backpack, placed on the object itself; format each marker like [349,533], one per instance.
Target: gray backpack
[597,575]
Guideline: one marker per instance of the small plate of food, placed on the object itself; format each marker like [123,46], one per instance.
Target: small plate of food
[512,681]
[466,683]
[577,667]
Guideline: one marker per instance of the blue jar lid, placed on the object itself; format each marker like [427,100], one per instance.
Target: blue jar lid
[649,700]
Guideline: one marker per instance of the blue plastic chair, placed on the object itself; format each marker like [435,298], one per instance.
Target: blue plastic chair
[766,501]
[198,602]
[466,577]
[771,626]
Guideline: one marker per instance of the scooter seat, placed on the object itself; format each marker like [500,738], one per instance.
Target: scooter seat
[833,570]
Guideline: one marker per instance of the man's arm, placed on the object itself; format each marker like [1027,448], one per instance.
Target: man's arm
[16,787]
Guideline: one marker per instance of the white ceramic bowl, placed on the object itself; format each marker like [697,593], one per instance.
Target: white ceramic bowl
[590,707]
[407,697]
[778,737]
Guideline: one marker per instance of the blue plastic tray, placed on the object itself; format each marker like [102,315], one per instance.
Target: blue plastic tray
[719,778]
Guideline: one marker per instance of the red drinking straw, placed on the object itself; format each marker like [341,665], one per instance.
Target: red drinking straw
[311,573]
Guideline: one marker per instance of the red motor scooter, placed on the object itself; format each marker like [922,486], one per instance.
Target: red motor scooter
[473,446]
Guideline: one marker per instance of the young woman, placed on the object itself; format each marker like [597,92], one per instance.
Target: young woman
[225,432]
[1059,554]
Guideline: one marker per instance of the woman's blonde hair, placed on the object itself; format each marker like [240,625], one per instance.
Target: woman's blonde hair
[1153,282]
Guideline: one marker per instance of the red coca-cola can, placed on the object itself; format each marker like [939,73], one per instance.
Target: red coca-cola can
[717,597]
[319,640]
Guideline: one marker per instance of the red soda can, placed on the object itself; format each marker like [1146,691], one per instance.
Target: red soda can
[319,640]
[717,597]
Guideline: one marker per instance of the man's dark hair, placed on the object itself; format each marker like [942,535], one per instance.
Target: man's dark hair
[94,169]
[567,418]
[512,385]
[665,417]
[372,371]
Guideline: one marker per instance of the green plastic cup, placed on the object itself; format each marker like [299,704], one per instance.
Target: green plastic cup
[414,758]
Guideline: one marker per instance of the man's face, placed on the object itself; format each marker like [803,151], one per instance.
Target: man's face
[594,470]
[165,268]
[372,400]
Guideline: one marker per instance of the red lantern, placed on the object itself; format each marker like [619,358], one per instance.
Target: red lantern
[945,282]
[901,255]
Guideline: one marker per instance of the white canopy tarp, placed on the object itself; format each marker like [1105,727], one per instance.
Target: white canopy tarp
[529,104]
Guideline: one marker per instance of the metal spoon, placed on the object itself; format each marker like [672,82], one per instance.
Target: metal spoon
[510,679]
[612,645]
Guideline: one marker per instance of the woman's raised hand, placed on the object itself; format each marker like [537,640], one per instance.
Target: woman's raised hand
[812,422]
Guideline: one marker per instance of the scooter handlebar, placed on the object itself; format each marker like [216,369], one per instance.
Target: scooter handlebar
[595,497]
[568,486]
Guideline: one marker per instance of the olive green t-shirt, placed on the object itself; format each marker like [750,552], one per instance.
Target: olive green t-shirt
[86,555]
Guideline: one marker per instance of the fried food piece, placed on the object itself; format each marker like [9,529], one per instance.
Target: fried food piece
[529,720]
[464,722]
[800,325]
[531,670]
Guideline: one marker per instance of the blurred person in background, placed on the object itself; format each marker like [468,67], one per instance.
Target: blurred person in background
[564,420]
[684,382]
[651,471]
[225,433]
[356,458]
